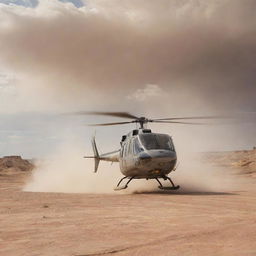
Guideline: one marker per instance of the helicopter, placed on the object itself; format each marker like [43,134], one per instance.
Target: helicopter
[143,154]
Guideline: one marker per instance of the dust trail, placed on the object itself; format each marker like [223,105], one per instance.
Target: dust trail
[67,171]
[196,175]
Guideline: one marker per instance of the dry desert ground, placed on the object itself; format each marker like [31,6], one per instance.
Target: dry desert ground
[153,223]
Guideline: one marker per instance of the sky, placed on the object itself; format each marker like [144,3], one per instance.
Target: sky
[34,3]
[156,58]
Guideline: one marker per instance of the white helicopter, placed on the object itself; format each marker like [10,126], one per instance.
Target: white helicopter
[143,153]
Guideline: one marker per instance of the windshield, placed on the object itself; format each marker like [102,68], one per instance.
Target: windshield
[156,141]
[137,146]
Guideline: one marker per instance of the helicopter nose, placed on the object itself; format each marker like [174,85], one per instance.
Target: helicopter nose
[144,158]
[163,155]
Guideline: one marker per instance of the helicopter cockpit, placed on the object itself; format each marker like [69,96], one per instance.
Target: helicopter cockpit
[153,141]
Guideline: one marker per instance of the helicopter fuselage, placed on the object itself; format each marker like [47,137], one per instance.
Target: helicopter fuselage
[147,155]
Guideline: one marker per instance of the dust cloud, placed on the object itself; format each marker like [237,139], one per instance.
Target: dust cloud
[195,175]
[159,58]
[68,172]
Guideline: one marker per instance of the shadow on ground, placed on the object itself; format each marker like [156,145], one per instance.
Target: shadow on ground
[193,193]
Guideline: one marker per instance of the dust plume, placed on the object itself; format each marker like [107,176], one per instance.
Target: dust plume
[194,176]
[68,172]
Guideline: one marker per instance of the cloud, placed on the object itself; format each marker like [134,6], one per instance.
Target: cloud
[34,3]
[107,54]
[7,88]
[77,3]
[27,3]
[5,79]
[148,92]
[201,53]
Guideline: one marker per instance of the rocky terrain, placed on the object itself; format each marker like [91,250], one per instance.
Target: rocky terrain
[244,161]
[14,164]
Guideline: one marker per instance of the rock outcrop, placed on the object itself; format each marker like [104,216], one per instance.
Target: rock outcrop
[244,160]
[15,163]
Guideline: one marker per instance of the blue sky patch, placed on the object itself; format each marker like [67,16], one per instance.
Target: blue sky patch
[34,3]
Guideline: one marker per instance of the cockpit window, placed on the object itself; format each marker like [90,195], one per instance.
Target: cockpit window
[156,141]
[130,150]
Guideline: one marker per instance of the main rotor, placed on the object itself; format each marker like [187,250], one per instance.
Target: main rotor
[144,120]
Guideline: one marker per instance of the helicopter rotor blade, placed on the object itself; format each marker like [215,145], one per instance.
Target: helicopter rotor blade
[176,122]
[194,117]
[115,114]
[108,124]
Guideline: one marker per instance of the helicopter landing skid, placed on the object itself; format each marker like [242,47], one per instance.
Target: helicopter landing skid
[169,188]
[125,186]
[173,187]
[120,188]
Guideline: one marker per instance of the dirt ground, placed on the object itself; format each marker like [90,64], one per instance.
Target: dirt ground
[156,223]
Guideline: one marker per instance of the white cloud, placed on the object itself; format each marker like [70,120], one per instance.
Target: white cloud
[148,92]
[7,84]
[5,78]
[26,3]
[14,137]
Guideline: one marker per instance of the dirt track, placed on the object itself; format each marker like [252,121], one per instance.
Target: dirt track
[136,224]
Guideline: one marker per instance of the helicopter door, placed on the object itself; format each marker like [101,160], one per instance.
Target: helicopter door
[129,154]
[122,163]
[125,158]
